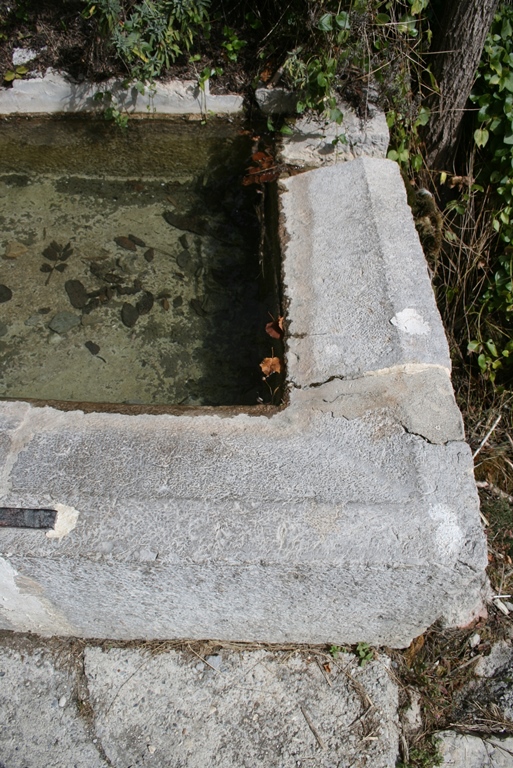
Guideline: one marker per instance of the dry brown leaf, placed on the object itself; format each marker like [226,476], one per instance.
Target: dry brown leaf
[275,328]
[270,365]
[416,645]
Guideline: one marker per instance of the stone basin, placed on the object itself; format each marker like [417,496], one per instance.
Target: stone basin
[348,514]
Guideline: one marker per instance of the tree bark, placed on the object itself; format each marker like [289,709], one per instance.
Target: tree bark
[458,44]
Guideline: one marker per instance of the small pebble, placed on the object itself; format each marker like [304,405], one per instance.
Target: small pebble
[5,293]
[62,322]
[33,320]
[62,701]
[474,640]
[92,347]
[129,315]
[151,749]
[214,661]
[184,259]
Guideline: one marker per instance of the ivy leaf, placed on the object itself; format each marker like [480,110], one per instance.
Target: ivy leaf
[325,23]
[481,137]
[506,30]
[342,20]
[507,82]
[423,116]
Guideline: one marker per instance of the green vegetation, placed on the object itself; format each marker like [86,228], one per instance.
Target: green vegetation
[493,94]
[149,36]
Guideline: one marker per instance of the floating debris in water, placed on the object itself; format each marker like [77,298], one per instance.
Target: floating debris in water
[145,303]
[149,255]
[5,294]
[129,315]
[126,243]
[77,294]
[137,241]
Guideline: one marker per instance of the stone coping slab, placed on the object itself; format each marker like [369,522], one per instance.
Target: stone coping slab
[360,297]
[56,93]
[349,515]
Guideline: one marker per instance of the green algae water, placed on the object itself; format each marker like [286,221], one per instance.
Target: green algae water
[130,264]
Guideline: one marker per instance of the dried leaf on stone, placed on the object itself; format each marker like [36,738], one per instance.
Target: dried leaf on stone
[126,243]
[415,647]
[275,328]
[45,268]
[137,240]
[270,365]
[60,267]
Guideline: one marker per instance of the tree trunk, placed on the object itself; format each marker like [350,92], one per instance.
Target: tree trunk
[458,44]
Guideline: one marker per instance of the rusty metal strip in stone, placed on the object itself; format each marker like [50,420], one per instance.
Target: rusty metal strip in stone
[16,517]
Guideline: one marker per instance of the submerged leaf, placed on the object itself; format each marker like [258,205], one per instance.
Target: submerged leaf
[52,251]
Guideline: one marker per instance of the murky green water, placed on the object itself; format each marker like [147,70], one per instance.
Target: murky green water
[130,268]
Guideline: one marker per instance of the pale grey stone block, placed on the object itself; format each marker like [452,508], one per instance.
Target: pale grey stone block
[55,93]
[463,751]
[258,708]
[316,142]
[360,297]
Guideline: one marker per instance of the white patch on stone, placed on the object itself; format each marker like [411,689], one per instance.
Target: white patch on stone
[66,521]
[448,534]
[24,608]
[409,321]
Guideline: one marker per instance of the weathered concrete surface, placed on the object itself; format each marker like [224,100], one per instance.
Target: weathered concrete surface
[40,725]
[56,92]
[228,709]
[349,515]
[463,751]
